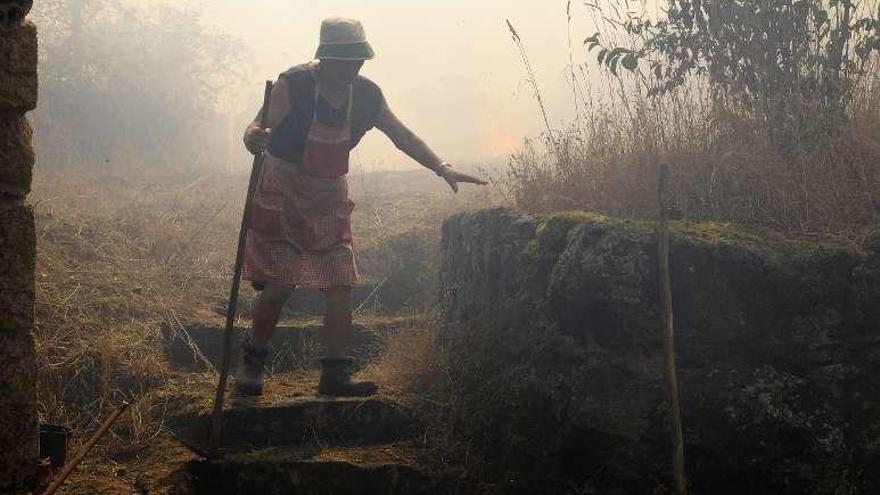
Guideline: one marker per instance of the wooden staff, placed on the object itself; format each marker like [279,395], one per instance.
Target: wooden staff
[217,414]
[669,338]
[81,453]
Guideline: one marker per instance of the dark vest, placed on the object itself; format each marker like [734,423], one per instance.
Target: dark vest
[288,138]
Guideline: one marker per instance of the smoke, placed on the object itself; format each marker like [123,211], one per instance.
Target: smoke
[448,69]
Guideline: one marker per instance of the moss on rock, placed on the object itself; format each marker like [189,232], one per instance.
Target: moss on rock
[556,355]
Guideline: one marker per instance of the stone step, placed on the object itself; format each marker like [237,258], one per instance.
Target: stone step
[198,347]
[286,416]
[376,470]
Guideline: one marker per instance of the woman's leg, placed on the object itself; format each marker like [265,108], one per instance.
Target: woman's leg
[267,308]
[336,366]
[255,351]
[337,321]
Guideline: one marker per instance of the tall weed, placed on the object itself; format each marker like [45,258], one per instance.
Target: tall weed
[796,152]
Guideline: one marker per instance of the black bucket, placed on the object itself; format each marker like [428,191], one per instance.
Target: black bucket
[53,443]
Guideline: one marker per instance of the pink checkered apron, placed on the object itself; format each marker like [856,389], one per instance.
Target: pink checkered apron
[300,227]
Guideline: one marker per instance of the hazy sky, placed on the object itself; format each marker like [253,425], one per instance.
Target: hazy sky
[448,68]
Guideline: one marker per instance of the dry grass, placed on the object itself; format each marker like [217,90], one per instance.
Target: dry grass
[118,256]
[413,370]
[722,160]
[115,259]
[718,171]
[412,365]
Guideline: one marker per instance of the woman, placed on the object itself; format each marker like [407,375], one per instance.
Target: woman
[300,231]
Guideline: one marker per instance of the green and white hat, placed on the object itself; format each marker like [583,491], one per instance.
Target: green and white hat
[343,39]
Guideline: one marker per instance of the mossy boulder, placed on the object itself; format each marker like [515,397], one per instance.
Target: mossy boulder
[556,355]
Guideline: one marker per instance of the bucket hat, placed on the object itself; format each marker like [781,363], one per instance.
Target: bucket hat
[343,39]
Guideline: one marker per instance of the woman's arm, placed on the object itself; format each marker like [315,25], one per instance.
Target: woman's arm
[255,138]
[408,142]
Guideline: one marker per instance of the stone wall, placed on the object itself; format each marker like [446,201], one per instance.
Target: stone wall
[18,94]
[555,354]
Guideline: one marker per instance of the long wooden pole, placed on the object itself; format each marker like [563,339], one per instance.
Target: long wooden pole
[217,414]
[81,453]
[678,471]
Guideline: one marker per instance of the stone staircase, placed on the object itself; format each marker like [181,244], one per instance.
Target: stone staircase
[290,441]
[287,472]
[295,345]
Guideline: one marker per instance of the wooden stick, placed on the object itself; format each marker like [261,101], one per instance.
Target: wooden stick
[678,471]
[81,453]
[217,414]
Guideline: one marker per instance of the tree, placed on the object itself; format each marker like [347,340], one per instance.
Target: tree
[130,87]
[793,65]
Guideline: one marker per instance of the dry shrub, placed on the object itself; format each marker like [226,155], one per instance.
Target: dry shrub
[413,369]
[412,364]
[716,172]
[723,148]
[115,259]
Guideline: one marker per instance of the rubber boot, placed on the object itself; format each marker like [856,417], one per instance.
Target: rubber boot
[249,375]
[336,380]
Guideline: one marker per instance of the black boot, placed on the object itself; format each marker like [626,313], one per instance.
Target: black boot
[249,375]
[336,380]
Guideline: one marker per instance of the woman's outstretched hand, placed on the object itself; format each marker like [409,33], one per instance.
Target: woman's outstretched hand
[454,177]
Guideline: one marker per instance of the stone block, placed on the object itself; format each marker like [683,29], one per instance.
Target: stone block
[17,253]
[12,12]
[293,347]
[18,68]
[18,415]
[303,420]
[16,155]
[554,344]
[19,445]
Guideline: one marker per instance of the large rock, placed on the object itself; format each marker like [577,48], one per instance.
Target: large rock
[18,416]
[556,355]
[18,67]
[17,253]
[16,155]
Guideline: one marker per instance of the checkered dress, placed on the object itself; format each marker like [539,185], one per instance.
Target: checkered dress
[300,233]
